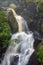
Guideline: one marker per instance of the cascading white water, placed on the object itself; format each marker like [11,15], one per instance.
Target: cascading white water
[22,24]
[20,48]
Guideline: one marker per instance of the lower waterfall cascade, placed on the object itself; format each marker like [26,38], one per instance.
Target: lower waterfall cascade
[21,48]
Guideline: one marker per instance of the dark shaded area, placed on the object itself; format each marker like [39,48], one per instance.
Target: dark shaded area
[2,53]
[13,23]
[33,60]
[12,27]
[31,15]
[36,43]
[29,12]
[14,60]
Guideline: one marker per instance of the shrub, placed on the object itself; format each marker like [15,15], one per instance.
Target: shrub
[40,54]
[4,31]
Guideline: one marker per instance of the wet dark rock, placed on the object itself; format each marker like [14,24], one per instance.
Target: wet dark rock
[14,60]
[33,60]
[36,43]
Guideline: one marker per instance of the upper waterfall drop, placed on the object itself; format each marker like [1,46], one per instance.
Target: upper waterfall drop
[22,24]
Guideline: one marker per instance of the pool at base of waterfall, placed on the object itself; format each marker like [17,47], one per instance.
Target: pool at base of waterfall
[19,53]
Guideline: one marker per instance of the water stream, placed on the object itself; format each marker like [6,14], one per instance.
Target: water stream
[21,46]
[22,24]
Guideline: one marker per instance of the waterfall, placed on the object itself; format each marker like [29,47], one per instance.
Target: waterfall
[22,24]
[21,45]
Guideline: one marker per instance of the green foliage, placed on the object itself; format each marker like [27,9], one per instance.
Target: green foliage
[5,3]
[40,16]
[37,0]
[40,7]
[2,16]
[4,31]
[15,40]
[40,54]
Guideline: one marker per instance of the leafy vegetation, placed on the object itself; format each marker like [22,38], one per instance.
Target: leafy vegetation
[40,53]
[40,16]
[4,31]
